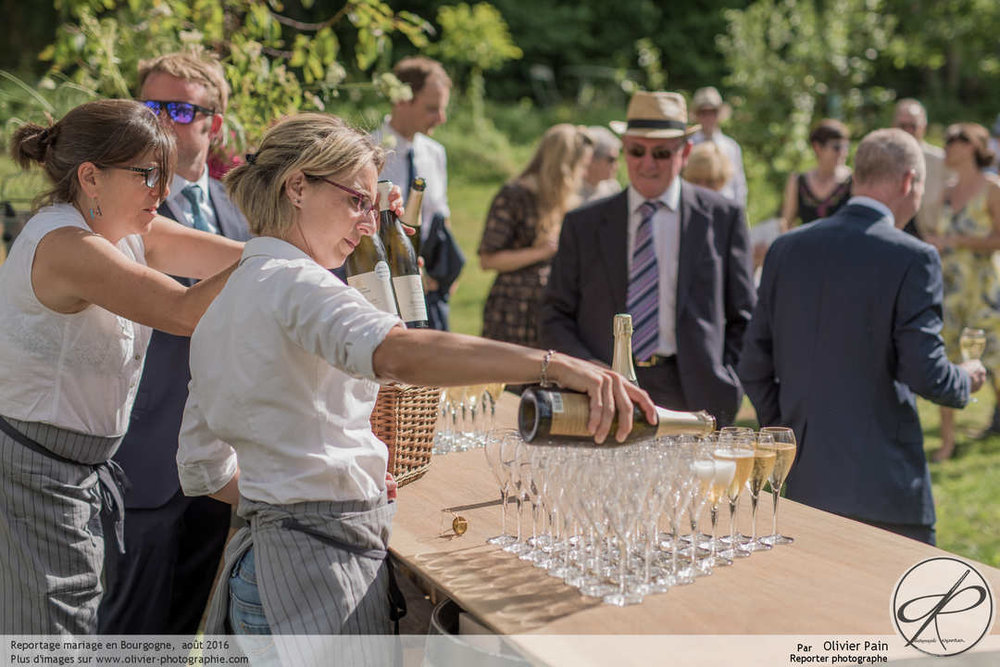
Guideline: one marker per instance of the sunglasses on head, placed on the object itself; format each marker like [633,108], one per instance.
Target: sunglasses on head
[657,153]
[179,112]
[151,175]
[952,138]
[362,204]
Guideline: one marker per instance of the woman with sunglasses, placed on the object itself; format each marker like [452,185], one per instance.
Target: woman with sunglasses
[285,365]
[522,232]
[821,191]
[85,281]
[968,240]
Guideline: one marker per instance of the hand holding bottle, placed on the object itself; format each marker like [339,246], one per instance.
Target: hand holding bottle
[609,393]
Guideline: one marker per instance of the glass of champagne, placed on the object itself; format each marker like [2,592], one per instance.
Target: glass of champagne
[723,471]
[491,397]
[784,456]
[740,452]
[763,464]
[972,344]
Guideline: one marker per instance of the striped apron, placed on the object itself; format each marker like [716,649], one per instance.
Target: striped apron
[58,493]
[321,570]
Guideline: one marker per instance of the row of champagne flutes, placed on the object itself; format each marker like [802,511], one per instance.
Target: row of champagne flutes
[467,415]
[620,523]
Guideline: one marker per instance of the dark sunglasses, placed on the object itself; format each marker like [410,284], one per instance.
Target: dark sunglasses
[151,175]
[659,153]
[957,137]
[179,112]
[362,204]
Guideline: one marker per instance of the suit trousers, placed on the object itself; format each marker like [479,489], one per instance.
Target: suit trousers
[663,384]
[173,554]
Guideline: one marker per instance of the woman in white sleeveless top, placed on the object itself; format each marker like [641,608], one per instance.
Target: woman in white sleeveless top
[84,282]
[285,365]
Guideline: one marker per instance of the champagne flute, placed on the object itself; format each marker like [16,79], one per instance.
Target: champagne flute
[972,344]
[494,451]
[763,464]
[492,395]
[784,456]
[740,453]
[723,471]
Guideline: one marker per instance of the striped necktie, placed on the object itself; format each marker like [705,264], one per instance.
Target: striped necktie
[194,195]
[644,286]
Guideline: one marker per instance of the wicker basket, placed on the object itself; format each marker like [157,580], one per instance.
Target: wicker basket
[405,419]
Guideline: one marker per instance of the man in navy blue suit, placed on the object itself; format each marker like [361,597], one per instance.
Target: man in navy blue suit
[173,543]
[845,331]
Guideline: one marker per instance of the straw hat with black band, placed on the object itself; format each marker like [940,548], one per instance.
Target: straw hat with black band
[709,98]
[655,115]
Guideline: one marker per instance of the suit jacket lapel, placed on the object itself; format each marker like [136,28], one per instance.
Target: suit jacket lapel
[226,214]
[612,238]
[692,238]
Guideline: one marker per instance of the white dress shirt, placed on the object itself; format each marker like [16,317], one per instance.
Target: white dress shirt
[281,370]
[861,200]
[666,245]
[78,371]
[429,163]
[181,205]
[735,188]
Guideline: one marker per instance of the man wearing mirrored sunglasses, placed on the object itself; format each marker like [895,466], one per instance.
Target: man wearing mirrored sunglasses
[173,543]
[674,255]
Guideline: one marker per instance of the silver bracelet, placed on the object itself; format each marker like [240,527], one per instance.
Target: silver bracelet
[545,369]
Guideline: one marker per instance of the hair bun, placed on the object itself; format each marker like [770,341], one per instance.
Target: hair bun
[31,142]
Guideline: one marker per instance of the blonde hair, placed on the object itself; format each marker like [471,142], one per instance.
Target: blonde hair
[315,144]
[554,172]
[193,64]
[708,166]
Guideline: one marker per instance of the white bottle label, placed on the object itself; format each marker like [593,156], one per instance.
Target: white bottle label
[410,296]
[376,287]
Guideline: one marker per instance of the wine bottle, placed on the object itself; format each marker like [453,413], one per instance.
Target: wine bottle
[622,360]
[411,216]
[368,272]
[402,263]
[560,414]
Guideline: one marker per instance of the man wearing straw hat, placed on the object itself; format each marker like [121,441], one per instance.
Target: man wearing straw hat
[674,255]
[711,112]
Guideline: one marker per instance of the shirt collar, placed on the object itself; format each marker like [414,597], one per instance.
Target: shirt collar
[861,200]
[671,197]
[274,248]
[178,183]
[401,143]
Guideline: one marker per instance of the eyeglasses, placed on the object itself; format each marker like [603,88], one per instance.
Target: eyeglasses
[957,137]
[658,153]
[361,201]
[151,175]
[838,146]
[179,112]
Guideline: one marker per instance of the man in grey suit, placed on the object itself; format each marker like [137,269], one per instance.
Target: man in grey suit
[846,329]
[173,543]
[674,255]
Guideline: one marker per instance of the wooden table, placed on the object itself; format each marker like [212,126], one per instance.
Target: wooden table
[837,579]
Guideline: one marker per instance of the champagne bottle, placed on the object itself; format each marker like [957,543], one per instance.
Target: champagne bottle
[402,263]
[368,272]
[560,414]
[411,216]
[622,360]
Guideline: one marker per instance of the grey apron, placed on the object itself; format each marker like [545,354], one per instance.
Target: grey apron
[59,493]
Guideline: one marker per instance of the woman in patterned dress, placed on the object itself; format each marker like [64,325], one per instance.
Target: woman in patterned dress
[821,191]
[968,239]
[522,232]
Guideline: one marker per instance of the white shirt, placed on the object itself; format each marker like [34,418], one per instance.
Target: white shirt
[181,205]
[735,188]
[429,163]
[281,370]
[861,200]
[76,371]
[666,245]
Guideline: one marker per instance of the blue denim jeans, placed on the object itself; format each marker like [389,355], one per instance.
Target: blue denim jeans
[246,613]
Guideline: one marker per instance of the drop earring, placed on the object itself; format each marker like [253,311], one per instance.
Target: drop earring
[98,212]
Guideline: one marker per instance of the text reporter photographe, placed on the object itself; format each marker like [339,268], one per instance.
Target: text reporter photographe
[285,371]
[83,286]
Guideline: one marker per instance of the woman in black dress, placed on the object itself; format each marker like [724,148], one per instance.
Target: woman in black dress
[821,191]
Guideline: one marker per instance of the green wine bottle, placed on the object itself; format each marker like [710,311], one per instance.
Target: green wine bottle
[402,263]
[411,216]
[368,272]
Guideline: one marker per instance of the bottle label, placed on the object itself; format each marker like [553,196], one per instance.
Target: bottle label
[376,287]
[410,296]
[570,413]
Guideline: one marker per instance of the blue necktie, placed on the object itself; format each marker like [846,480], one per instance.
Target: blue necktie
[194,195]
[644,286]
